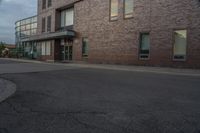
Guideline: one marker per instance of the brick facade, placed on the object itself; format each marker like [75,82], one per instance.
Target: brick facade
[117,42]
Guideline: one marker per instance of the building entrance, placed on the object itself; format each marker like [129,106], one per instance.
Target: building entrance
[67,50]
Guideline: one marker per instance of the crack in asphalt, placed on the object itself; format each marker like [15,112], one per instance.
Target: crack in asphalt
[39,93]
[52,113]
[73,115]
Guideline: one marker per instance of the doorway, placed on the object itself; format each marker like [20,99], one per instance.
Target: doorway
[67,50]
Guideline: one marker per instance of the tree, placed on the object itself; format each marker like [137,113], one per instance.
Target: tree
[2,47]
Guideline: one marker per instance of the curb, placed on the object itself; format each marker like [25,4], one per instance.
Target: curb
[7,89]
[156,70]
[23,60]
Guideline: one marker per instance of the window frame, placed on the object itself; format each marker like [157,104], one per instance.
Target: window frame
[140,42]
[64,19]
[110,11]
[48,48]
[44,3]
[173,43]
[43,48]
[49,19]
[124,8]
[49,3]
[43,25]
[85,55]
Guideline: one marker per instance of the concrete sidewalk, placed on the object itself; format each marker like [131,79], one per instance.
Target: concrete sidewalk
[157,70]
[7,89]
[131,68]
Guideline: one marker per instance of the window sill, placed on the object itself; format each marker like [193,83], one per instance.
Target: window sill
[183,59]
[144,59]
[127,18]
[112,19]
[84,56]
[179,60]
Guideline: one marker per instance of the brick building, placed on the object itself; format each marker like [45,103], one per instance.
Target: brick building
[140,32]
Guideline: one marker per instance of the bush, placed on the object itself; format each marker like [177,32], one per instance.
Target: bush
[2,47]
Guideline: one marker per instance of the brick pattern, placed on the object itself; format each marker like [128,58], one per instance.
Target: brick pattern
[117,42]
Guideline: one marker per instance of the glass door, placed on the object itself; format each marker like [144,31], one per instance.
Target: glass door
[67,51]
[70,52]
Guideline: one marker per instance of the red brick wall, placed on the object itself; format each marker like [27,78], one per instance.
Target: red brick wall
[117,42]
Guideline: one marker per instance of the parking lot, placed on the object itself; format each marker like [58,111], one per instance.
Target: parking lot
[62,99]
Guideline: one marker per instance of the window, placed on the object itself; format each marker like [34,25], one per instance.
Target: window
[114,9]
[23,28]
[67,17]
[144,46]
[28,21]
[33,25]
[23,22]
[18,29]
[22,34]
[46,48]
[39,48]
[85,47]
[33,31]
[28,27]
[18,24]
[43,48]
[128,8]
[43,24]
[180,44]
[43,4]
[49,3]
[49,24]
[34,19]
[26,33]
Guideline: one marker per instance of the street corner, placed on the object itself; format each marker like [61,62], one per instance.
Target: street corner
[7,89]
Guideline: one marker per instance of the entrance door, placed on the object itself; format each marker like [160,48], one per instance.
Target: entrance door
[67,51]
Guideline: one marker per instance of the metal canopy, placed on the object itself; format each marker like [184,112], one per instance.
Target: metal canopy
[47,36]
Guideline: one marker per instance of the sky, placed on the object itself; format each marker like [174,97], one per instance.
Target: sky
[12,11]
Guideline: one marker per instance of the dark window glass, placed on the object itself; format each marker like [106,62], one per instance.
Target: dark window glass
[43,4]
[43,24]
[144,46]
[85,46]
[49,3]
[49,24]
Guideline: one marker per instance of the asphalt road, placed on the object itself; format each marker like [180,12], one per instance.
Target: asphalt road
[86,100]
